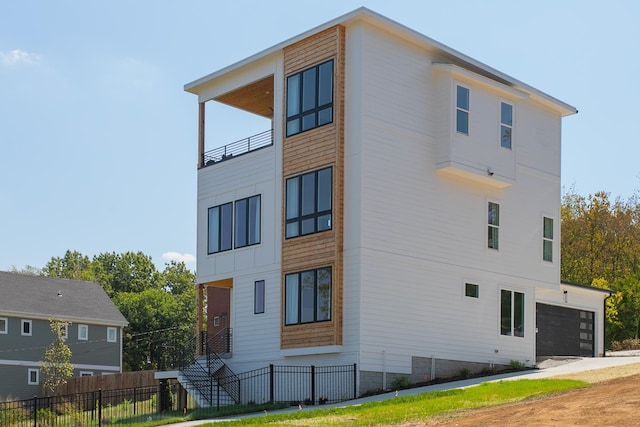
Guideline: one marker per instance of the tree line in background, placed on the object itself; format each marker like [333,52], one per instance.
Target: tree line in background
[159,305]
[600,246]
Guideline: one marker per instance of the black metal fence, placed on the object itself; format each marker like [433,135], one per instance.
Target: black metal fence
[291,385]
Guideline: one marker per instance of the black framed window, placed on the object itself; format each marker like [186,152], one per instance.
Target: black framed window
[247,222]
[493,225]
[462,110]
[506,125]
[310,98]
[547,239]
[309,201]
[308,296]
[220,220]
[511,313]
[258,297]
[471,290]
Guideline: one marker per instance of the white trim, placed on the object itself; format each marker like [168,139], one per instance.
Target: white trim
[70,319]
[31,363]
[37,381]
[22,323]
[5,330]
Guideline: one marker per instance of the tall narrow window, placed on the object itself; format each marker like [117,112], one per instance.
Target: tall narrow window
[33,377]
[26,327]
[511,313]
[4,325]
[258,297]
[308,296]
[112,334]
[547,239]
[462,110]
[247,222]
[493,225]
[309,201]
[506,125]
[220,228]
[310,98]
[83,332]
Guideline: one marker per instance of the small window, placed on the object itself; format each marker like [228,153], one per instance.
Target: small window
[247,222]
[462,110]
[310,98]
[83,332]
[493,225]
[33,377]
[216,321]
[26,327]
[511,313]
[4,325]
[506,125]
[64,331]
[112,334]
[471,290]
[86,373]
[220,232]
[547,239]
[258,297]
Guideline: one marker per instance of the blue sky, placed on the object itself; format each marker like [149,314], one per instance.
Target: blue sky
[98,140]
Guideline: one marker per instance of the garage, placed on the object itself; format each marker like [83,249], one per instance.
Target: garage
[563,331]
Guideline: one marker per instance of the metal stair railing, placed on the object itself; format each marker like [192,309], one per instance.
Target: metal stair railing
[219,370]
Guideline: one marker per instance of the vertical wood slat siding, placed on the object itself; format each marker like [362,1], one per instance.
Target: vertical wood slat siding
[308,151]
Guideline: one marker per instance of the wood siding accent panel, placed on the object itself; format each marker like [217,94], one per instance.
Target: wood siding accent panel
[308,151]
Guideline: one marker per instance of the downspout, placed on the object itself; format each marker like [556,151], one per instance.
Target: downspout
[604,325]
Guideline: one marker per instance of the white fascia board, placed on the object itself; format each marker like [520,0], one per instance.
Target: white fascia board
[469,76]
[72,319]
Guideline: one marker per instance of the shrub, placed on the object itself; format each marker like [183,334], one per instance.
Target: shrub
[46,417]
[628,344]
[516,364]
[465,372]
[401,382]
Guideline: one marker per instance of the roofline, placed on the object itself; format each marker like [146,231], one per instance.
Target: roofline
[365,14]
[591,288]
[71,319]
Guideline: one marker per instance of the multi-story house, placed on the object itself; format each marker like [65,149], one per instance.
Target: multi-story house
[28,304]
[401,212]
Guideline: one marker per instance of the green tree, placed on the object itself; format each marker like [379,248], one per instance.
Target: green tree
[73,265]
[56,365]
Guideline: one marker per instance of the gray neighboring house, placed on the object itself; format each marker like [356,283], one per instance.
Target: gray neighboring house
[27,303]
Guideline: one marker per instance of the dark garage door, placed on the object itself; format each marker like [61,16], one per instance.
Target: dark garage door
[563,331]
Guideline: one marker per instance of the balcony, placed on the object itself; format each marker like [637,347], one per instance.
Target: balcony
[238,148]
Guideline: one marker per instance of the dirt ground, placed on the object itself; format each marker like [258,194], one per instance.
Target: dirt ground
[612,400]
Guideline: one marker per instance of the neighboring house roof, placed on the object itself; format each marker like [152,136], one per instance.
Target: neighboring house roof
[588,287]
[447,54]
[51,298]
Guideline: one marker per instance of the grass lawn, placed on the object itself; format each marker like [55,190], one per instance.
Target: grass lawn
[418,407]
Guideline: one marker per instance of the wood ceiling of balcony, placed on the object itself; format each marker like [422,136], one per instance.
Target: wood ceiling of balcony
[256,97]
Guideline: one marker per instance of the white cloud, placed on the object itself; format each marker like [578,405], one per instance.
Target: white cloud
[176,256]
[18,56]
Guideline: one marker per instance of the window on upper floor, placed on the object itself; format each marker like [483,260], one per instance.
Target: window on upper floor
[220,228]
[493,225]
[33,376]
[506,125]
[83,332]
[310,98]
[26,327]
[64,331]
[462,110]
[247,222]
[308,296]
[471,290]
[258,297]
[4,325]
[547,239]
[309,201]
[112,334]
[511,313]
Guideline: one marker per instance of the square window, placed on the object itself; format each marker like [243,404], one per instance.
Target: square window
[308,296]
[471,290]
[26,328]
[258,297]
[33,377]
[309,203]
[4,325]
[83,332]
[112,334]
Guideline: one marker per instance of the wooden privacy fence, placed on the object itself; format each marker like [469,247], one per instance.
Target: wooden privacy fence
[121,381]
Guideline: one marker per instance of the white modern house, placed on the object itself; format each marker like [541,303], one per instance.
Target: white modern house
[401,212]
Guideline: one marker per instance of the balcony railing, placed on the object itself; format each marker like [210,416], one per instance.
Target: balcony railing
[238,148]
